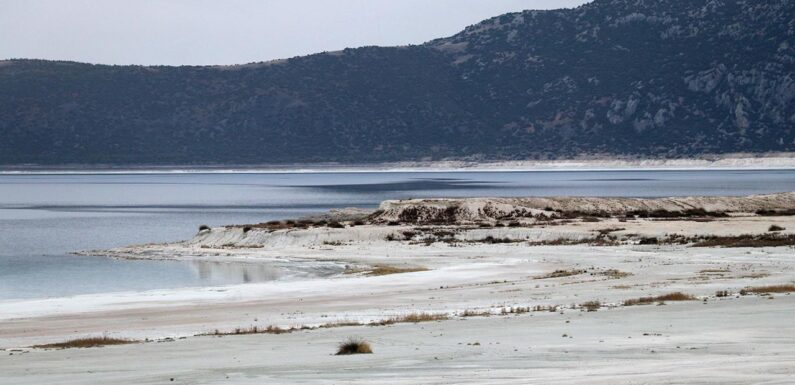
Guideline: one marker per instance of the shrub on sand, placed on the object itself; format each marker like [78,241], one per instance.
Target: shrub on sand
[354,346]
[768,289]
[89,342]
[677,296]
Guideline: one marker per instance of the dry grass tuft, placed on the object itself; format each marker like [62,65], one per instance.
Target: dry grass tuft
[776,213]
[340,324]
[768,289]
[475,313]
[412,318]
[755,275]
[614,274]
[256,330]
[764,240]
[548,308]
[89,342]
[387,270]
[677,296]
[592,305]
[354,346]
[561,274]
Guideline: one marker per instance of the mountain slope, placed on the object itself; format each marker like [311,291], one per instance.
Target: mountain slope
[631,77]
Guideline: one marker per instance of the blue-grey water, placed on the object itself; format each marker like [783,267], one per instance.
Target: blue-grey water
[43,218]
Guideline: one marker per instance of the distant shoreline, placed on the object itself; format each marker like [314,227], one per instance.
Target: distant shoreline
[784,162]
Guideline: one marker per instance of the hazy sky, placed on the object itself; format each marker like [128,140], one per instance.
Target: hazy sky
[177,32]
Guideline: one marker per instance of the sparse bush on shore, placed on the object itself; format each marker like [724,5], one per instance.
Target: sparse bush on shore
[412,318]
[677,296]
[592,305]
[763,240]
[560,274]
[388,270]
[89,342]
[649,241]
[354,346]
[786,288]
[776,213]
[475,313]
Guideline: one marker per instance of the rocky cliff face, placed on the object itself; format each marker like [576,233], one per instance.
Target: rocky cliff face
[670,77]
[632,77]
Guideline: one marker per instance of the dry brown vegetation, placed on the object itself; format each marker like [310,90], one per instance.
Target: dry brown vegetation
[772,239]
[592,305]
[89,342]
[560,274]
[354,346]
[412,318]
[475,313]
[407,318]
[677,296]
[492,240]
[387,270]
[787,288]
[614,274]
[776,213]
[754,275]
[295,224]
[601,240]
[764,240]
[257,330]
[689,213]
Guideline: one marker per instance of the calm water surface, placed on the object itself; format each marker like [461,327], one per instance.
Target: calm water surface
[45,217]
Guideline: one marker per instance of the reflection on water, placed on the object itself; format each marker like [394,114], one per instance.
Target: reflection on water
[215,273]
[414,184]
[67,275]
[231,272]
[45,217]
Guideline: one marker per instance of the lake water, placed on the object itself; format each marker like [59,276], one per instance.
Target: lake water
[43,218]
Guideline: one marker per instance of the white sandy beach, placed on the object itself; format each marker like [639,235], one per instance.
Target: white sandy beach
[717,340]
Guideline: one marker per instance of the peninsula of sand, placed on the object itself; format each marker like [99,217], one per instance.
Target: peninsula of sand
[507,290]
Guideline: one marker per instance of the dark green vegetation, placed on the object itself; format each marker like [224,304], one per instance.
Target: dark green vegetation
[663,78]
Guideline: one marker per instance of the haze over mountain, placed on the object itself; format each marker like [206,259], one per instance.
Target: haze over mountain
[666,78]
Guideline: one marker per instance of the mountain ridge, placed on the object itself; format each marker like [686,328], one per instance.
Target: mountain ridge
[625,77]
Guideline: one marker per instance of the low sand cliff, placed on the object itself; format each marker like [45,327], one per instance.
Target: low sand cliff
[489,209]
